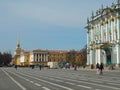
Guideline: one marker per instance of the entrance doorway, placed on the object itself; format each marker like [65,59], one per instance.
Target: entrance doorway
[108,56]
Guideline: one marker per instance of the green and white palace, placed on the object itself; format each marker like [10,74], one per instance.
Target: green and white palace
[103,36]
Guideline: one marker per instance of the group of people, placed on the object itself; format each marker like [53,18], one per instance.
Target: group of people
[99,68]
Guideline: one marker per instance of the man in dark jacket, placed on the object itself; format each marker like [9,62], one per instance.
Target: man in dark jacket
[101,68]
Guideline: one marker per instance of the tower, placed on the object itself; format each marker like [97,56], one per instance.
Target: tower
[17,52]
[18,48]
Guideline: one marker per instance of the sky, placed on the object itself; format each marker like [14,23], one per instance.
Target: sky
[46,24]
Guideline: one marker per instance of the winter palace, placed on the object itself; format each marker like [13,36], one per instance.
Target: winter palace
[103,36]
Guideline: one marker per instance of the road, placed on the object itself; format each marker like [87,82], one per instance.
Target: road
[57,79]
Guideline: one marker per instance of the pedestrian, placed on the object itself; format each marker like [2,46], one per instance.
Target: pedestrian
[75,67]
[16,67]
[40,67]
[65,66]
[97,67]
[32,66]
[101,69]
[84,66]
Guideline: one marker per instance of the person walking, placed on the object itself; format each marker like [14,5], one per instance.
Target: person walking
[97,67]
[75,67]
[16,67]
[101,69]
[40,67]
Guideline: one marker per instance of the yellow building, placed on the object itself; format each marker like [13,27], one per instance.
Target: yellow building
[57,55]
[17,53]
[25,58]
[40,57]
[37,57]
[79,58]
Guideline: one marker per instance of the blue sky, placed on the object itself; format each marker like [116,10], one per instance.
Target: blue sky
[45,24]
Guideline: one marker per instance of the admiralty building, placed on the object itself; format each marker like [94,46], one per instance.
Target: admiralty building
[103,36]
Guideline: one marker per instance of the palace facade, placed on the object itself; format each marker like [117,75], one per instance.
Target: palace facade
[103,36]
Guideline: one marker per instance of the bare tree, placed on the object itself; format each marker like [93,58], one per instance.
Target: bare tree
[5,58]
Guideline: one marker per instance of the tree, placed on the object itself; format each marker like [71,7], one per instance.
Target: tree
[84,55]
[5,58]
[71,56]
[1,60]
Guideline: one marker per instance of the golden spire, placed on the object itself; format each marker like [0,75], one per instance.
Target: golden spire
[18,42]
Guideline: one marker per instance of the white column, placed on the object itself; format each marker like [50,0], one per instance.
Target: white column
[98,33]
[41,57]
[103,56]
[115,54]
[106,30]
[92,34]
[35,57]
[88,56]
[88,59]
[112,30]
[118,38]
[118,54]
[101,33]
[87,38]
[105,33]
[98,58]
[118,28]
[44,57]
[38,57]
[91,59]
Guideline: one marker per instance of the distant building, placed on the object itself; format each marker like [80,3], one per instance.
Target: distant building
[42,57]
[17,53]
[103,36]
[25,58]
[79,58]
[57,55]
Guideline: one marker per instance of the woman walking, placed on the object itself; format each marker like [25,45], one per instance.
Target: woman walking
[97,67]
